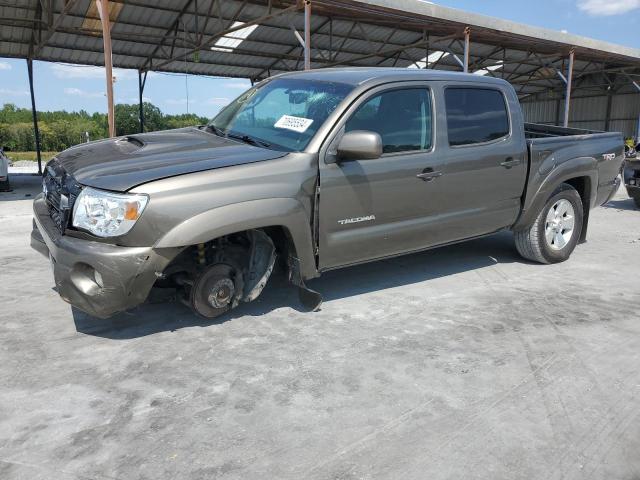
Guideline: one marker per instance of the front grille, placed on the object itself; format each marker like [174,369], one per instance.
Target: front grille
[61,191]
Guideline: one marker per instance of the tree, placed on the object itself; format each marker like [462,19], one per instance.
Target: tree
[126,117]
[61,129]
[185,120]
[154,120]
[128,122]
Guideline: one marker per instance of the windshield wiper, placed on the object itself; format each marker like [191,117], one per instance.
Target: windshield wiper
[248,139]
[216,130]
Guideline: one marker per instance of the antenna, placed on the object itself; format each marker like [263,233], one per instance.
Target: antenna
[186,72]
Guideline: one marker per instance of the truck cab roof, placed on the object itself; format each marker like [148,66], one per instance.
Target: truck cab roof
[357,76]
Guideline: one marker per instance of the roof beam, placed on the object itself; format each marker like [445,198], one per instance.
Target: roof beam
[385,52]
[68,5]
[174,27]
[222,33]
[291,50]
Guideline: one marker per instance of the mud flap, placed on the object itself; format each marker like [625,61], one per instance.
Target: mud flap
[310,299]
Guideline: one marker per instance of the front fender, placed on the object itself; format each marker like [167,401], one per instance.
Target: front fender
[543,183]
[237,217]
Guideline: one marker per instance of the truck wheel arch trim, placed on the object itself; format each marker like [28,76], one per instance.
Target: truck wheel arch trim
[218,222]
[581,167]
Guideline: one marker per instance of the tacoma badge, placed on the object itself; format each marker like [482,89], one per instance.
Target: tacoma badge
[347,221]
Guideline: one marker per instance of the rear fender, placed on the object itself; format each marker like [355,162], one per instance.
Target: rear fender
[541,186]
[237,217]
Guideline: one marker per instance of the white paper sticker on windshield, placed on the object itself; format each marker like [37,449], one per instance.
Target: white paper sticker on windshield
[297,124]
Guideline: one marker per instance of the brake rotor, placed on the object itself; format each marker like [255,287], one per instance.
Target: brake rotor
[214,292]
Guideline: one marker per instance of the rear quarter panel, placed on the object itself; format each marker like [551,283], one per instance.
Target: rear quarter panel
[595,157]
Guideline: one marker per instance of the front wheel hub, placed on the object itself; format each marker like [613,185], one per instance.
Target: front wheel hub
[221,293]
[214,291]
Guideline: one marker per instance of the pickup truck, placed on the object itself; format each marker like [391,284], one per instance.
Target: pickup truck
[315,171]
[632,179]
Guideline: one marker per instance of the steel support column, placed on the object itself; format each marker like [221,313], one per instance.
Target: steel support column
[34,113]
[467,37]
[558,103]
[103,9]
[307,35]
[607,115]
[142,80]
[567,97]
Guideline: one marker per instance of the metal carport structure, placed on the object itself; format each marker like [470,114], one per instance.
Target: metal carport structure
[256,39]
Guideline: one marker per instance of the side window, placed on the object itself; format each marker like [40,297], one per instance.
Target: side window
[475,115]
[401,117]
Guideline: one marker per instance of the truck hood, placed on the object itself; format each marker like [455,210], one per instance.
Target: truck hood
[122,163]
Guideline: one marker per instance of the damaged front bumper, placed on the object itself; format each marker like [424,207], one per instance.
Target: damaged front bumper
[98,278]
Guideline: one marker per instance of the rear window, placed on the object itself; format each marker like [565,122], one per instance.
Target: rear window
[475,115]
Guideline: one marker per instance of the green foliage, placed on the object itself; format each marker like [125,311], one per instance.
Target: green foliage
[31,156]
[185,120]
[61,129]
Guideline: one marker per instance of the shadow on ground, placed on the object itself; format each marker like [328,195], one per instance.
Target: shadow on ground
[23,187]
[622,204]
[152,318]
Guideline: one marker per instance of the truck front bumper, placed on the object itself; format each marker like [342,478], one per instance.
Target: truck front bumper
[98,278]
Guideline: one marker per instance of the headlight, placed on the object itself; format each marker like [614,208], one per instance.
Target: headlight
[107,214]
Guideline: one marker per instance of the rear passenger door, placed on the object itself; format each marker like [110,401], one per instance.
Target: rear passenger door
[484,152]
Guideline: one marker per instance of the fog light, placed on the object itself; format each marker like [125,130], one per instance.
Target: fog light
[86,279]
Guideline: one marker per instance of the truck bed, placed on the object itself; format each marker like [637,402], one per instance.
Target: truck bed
[540,130]
[596,155]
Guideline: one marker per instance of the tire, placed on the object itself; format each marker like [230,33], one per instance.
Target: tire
[637,201]
[552,237]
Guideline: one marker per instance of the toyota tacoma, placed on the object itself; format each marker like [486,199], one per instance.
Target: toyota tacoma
[315,171]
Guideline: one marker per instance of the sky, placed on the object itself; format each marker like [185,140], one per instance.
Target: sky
[72,88]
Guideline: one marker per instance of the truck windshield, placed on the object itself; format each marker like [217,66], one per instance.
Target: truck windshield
[283,114]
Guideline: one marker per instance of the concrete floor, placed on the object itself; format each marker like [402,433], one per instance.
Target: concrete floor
[464,362]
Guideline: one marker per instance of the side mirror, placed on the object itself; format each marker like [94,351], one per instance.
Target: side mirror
[359,145]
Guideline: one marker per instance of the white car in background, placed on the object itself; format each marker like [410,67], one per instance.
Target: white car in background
[4,172]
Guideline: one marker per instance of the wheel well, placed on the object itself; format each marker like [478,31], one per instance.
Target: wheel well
[583,187]
[282,240]
[194,255]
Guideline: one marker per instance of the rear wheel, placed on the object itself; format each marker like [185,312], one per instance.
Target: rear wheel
[555,233]
[637,200]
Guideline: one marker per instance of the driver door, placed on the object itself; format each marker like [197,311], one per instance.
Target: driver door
[382,207]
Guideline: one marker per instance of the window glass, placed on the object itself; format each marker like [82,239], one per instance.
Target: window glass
[283,113]
[475,115]
[401,117]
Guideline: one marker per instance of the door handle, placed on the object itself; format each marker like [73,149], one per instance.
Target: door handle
[510,162]
[428,175]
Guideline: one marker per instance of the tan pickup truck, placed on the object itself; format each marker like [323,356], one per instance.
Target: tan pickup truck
[319,170]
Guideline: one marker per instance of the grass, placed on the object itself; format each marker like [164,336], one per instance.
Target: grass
[30,156]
